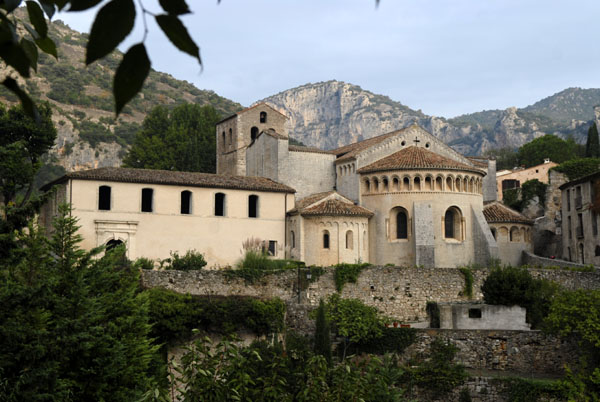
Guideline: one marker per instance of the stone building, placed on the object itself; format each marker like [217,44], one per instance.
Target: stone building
[509,179]
[512,231]
[416,200]
[580,207]
[156,211]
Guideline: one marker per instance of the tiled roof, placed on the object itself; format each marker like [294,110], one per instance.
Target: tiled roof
[192,179]
[336,207]
[416,158]
[350,151]
[299,148]
[496,212]
[250,108]
[328,203]
[478,161]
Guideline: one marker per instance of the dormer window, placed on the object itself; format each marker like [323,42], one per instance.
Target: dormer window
[263,117]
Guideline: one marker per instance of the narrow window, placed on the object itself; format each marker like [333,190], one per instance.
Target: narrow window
[253,133]
[401,225]
[263,117]
[219,204]
[253,206]
[104,198]
[582,260]
[147,194]
[325,239]
[568,200]
[350,240]
[272,247]
[449,224]
[293,236]
[186,202]
[230,136]
[594,224]
[224,139]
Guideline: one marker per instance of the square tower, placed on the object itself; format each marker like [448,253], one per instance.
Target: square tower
[236,133]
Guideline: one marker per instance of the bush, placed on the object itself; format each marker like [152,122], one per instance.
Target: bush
[144,263]
[353,319]
[511,286]
[192,260]
[391,340]
[174,315]
[347,273]
[468,275]
[256,264]
[577,168]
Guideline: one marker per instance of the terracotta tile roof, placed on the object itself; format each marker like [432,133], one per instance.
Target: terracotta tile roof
[250,108]
[336,207]
[497,212]
[350,151]
[191,179]
[300,148]
[328,203]
[414,157]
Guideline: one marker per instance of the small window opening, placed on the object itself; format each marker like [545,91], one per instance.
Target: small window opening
[401,225]
[253,133]
[219,204]
[272,247]
[597,251]
[147,194]
[449,224]
[253,206]
[104,198]
[230,136]
[474,313]
[326,239]
[186,202]
[293,236]
[224,139]
[350,240]
[263,117]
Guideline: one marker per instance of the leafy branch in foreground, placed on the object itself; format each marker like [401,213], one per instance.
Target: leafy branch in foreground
[114,21]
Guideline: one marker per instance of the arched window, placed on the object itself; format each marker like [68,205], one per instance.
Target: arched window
[253,206]
[494,233]
[230,136]
[449,184]
[428,184]
[104,198]
[438,183]
[417,183]
[147,195]
[325,239]
[375,188]
[367,186]
[253,133]
[293,239]
[396,184]
[186,202]
[112,244]
[219,204]
[263,117]
[401,224]
[386,186]
[364,240]
[224,139]
[350,240]
[457,184]
[514,234]
[406,184]
[453,224]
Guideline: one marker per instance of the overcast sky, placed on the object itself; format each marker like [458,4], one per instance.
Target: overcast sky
[446,57]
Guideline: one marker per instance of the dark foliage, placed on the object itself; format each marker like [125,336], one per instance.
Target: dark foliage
[433,311]
[347,273]
[322,334]
[592,145]
[576,168]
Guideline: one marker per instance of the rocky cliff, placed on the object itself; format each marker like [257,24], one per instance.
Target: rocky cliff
[331,114]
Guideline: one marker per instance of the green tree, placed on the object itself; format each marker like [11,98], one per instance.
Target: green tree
[579,167]
[22,144]
[511,286]
[73,327]
[322,334]
[576,315]
[549,146]
[506,158]
[182,139]
[592,146]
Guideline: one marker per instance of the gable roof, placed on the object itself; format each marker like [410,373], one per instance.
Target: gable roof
[497,212]
[328,203]
[168,177]
[250,108]
[414,157]
[350,151]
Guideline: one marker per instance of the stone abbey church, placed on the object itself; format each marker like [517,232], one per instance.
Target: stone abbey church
[402,198]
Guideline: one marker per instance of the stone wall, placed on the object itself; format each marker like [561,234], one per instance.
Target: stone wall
[398,292]
[518,352]
[537,261]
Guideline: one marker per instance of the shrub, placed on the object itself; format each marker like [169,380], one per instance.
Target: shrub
[192,260]
[511,286]
[347,273]
[256,263]
[353,319]
[144,263]
[391,340]
[322,334]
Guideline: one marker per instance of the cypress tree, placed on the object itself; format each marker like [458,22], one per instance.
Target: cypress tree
[592,146]
[322,334]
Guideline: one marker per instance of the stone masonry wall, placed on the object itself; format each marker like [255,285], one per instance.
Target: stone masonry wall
[398,292]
